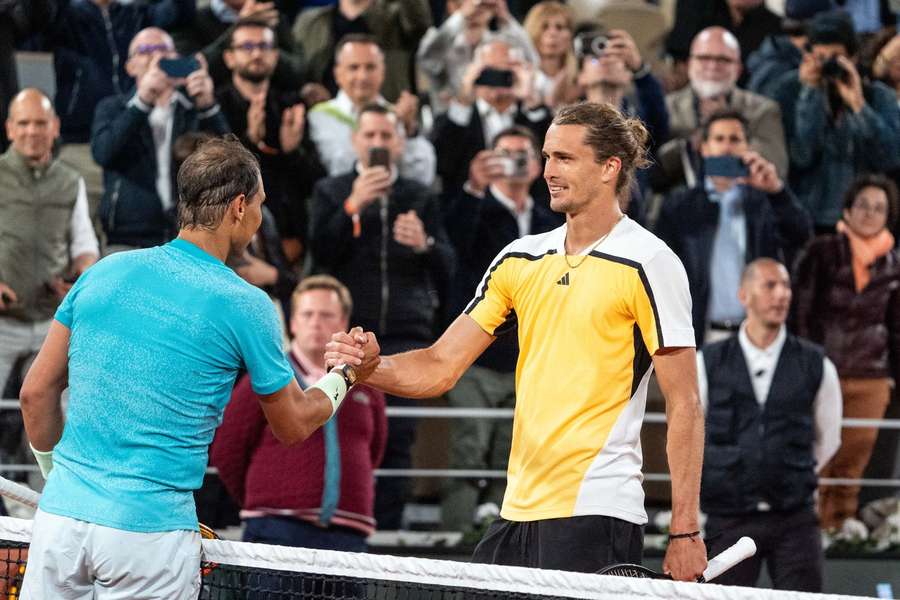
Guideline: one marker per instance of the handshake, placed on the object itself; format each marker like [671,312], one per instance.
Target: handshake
[356,348]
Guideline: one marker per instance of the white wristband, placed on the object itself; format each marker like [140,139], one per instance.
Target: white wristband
[334,387]
[44,460]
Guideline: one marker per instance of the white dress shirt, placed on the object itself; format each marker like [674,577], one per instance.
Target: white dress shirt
[82,239]
[761,363]
[331,129]
[523,218]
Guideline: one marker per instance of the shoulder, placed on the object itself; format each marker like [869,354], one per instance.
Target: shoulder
[336,183]
[633,245]
[679,98]
[808,347]
[880,93]
[533,247]
[314,15]
[65,170]
[753,104]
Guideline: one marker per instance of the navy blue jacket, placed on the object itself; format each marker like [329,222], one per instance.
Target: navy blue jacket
[777,226]
[131,211]
[90,49]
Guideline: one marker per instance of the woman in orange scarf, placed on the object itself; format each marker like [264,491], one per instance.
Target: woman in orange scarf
[847,298]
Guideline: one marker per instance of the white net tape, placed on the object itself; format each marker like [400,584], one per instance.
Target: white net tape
[456,574]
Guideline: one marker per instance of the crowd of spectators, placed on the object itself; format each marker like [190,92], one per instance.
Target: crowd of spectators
[400,149]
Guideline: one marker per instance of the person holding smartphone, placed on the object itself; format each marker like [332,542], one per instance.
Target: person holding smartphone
[133,134]
[381,235]
[742,210]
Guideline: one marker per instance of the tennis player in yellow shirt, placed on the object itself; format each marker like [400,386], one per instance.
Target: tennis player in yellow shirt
[600,303]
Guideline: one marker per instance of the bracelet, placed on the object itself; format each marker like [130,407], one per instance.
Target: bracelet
[681,536]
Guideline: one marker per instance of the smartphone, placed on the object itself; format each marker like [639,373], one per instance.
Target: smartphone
[379,157]
[725,166]
[178,68]
[501,78]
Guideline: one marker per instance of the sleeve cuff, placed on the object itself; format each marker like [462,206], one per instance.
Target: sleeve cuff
[209,112]
[139,104]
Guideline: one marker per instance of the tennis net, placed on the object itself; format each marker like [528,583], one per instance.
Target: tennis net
[238,571]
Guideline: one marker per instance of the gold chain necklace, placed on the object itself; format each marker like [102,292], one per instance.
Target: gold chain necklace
[591,249]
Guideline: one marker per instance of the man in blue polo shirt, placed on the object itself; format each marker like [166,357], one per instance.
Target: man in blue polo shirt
[149,343]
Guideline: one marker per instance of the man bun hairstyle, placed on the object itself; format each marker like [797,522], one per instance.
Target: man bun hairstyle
[217,172]
[609,134]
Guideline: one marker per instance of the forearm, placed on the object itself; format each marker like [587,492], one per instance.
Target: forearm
[43,416]
[684,449]
[414,374]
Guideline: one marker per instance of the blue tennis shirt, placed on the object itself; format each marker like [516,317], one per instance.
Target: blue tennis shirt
[157,339]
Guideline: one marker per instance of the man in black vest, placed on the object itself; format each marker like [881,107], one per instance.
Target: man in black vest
[773,418]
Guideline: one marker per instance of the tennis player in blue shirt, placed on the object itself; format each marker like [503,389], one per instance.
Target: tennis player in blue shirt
[149,344]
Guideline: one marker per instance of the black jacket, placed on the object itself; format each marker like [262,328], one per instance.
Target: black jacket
[395,290]
[777,226]
[90,49]
[131,211]
[480,228]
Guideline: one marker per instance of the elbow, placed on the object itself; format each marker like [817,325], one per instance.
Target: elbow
[292,436]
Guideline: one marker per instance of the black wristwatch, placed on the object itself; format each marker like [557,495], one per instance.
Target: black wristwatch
[347,372]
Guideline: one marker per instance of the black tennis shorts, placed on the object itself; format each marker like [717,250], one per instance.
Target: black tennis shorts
[586,544]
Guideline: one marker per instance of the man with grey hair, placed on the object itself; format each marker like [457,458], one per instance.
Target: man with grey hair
[714,67]
[46,238]
[497,92]
[132,140]
[149,344]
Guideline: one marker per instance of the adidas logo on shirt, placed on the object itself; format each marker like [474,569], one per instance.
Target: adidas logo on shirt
[564,280]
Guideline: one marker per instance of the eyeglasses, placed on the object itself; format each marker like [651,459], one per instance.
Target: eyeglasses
[720,61]
[146,49]
[249,47]
[875,209]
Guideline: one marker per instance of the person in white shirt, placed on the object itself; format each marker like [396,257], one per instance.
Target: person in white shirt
[359,71]
[46,236]
[773,420]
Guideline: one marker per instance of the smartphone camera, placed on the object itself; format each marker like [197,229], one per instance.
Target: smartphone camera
[590,43]
[379,157]
[498,78]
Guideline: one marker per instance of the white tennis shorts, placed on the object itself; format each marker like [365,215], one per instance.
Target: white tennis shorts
[74,560]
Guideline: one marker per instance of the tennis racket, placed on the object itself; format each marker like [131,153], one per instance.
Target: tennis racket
[744,548]
[16,558]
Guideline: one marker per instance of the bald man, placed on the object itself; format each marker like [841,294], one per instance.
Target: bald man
[773,420]
[46,238]
[132,140]
[714,67]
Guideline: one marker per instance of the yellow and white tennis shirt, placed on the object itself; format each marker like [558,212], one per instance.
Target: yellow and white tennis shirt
[586,337]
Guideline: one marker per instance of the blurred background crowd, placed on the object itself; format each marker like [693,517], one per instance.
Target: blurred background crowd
[400,148]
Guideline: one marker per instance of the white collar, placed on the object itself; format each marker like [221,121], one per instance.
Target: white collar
[752,350]
[509,203]
[343,103]
[564,228]
[485,109]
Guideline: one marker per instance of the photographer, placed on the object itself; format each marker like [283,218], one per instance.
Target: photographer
[497,92]
[381,235]
[741,211]
[493,208]
[446,51]
[837,126]
[132,140]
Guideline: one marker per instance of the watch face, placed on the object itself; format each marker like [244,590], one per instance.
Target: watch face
[349,373]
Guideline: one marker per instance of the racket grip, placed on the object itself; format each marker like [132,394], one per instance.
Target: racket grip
[744,548]
[19,493]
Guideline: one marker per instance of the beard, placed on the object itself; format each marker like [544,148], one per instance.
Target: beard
[254,75]
[705,88]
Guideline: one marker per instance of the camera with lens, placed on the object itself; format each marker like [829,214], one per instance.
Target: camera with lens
[834,71]
[590,43]
[514,164]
